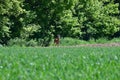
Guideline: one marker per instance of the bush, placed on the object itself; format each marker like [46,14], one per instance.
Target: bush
[22,42]
[40,42]
[17,42]
[32,43]
[1,45]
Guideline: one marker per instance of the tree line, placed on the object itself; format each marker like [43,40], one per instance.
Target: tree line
[43,20]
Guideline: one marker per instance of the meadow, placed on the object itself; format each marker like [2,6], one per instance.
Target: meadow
[60,63]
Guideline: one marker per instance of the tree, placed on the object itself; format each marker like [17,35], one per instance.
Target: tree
[8,8]
[48,14]
[97,17]
[69,25]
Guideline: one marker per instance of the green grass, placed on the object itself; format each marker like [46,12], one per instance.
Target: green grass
[60,63]
[71,41]
[104,40]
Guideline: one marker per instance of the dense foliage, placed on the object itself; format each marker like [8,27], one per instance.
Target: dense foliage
[42,20]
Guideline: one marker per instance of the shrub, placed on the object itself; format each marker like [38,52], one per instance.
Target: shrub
[22,42]
[1,45]
[32,43]
[17,42]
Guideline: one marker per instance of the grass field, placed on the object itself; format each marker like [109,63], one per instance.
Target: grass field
[60,63]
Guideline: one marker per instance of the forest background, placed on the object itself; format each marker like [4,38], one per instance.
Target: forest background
[40,21]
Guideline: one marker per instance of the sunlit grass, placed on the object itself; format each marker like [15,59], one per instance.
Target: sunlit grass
[60,63]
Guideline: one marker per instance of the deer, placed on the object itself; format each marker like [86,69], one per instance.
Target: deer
[57,40]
